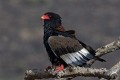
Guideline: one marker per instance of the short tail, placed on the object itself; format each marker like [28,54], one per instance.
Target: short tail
[100,59]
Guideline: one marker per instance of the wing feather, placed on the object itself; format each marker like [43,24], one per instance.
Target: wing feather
[69,49]
[67,44]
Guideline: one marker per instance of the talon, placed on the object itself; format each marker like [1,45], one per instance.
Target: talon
[48,68]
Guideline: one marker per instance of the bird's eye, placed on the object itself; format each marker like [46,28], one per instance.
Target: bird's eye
[49,16]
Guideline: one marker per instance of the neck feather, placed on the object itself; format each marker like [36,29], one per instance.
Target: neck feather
[51,25]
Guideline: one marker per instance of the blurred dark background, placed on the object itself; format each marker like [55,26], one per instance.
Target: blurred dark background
[97,22]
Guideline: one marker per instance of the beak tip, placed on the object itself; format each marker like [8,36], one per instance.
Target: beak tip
[45,17]
[42,17]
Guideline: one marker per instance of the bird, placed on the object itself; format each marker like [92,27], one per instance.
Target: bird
[62,46]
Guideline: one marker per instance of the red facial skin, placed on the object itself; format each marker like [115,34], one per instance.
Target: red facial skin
[45,17]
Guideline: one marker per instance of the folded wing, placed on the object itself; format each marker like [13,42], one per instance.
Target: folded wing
[70,50]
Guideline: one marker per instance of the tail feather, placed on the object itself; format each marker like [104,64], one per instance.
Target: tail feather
[100,59]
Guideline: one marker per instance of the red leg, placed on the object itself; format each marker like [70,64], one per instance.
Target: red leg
[60,68]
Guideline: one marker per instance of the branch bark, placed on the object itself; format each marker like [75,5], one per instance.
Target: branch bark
[68,72]
[114,72]
[79,71]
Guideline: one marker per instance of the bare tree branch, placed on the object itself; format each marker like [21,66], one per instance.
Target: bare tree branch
[73,72]
[115,45]
[68,72]
[114,71]
[79,71]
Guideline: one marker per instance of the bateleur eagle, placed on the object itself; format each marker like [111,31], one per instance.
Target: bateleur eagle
[62,46]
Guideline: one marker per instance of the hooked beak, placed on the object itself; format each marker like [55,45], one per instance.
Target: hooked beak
[45,17]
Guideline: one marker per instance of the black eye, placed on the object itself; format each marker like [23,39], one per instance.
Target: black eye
[50,16]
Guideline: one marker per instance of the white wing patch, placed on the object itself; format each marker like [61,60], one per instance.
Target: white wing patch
[86,53]
[72,57]
[66,59]
[81,57]
[77,58]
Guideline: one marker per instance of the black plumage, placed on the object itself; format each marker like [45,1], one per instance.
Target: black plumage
[62,46]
